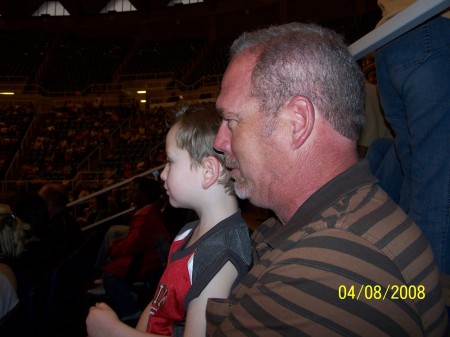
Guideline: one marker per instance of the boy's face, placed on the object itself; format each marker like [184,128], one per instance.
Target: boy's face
[181,181]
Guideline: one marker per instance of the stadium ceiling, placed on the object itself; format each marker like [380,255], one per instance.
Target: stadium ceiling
[211,19]
[16,9]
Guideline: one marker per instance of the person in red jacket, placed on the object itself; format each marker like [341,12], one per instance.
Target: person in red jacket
[142,251]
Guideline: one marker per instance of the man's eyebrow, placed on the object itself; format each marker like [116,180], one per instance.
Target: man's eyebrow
[226,114]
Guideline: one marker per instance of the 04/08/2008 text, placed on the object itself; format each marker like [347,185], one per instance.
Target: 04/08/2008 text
[377,292]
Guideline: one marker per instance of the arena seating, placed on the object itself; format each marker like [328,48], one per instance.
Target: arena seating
[14,122]
[64,137]
[23,52]
[75,63]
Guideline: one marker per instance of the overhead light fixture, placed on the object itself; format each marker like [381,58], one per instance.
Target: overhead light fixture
[141,91]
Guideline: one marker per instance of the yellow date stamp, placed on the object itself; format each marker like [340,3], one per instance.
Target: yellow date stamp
[379,293]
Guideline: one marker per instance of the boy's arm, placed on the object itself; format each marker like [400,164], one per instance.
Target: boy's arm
[102,321]
[218,287]
[143,320]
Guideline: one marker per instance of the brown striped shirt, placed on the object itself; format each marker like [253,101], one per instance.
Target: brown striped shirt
[349,263]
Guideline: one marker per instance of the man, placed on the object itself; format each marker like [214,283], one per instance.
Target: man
[340,252]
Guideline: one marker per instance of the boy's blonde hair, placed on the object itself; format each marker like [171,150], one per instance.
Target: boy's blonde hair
[197,128]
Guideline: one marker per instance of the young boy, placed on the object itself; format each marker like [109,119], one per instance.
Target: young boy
[209,255]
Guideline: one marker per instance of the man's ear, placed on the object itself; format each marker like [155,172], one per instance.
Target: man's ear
[211,171]
[301,119]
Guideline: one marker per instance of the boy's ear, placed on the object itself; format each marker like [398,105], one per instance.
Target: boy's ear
[211,171]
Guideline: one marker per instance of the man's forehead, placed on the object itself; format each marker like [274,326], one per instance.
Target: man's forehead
[236,80]
[242,64]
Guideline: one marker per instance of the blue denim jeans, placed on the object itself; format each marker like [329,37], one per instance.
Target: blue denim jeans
[413,73]
[119,293]
[385,165]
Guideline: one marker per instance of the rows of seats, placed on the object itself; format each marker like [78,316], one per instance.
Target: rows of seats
[22,52]
[14,121]
[78,62]
[69,63]
[213,62]
[140,147]
[65,137]
[74,63]
[163,57]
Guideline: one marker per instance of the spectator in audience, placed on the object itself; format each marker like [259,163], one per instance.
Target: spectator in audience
[136,252]
[413,73]
[31,208]
[128,171]
[8,289]
[23,244]
[332,261]
[11,233]
[64,234]
[375,126]
[98,209]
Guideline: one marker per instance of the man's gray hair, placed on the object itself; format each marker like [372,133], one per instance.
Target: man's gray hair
[311,61]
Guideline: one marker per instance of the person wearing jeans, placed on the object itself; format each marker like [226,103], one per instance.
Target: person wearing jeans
[413,73]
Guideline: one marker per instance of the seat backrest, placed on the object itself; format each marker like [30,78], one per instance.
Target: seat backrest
[11,324]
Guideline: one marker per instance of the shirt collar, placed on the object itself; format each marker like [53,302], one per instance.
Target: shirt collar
[352,179]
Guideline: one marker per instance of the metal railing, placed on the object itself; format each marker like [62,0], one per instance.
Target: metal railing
[404,21]
[108,189]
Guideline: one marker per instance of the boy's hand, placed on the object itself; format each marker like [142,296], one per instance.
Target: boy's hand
[101,320]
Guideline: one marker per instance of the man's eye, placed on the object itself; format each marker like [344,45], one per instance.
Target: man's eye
[231,123]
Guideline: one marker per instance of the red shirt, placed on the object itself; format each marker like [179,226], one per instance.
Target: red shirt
[147,229]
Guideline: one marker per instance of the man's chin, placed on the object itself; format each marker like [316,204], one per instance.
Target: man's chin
[240,191]
[243,191]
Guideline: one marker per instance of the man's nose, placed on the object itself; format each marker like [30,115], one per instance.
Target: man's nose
[222,140]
